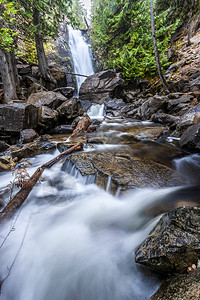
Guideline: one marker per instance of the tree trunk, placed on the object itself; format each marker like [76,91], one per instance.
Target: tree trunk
[42,61]
[8,76]
[160,73]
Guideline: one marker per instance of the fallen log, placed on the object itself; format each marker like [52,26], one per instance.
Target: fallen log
[23,193]
[82,126]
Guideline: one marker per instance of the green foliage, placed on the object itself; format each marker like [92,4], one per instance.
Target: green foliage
[122,36]
[8,12]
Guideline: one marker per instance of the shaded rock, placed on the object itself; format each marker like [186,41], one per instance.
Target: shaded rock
[187,98]
[62,129]
[24,69]
[174,243]
[151,106]
[195,85]
[47,116]
[67,91]
[188,118]
[27,135]
[36,88]
[70,109]
[126,171]
[101,85]
[58,73]
[179,287]
[191,137]
[165,119]
[3,146]
[32,149]
[17,116]
[49,99]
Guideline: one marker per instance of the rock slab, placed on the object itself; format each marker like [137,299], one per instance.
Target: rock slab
[174,243]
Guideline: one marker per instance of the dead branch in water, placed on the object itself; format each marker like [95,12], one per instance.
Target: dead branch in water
[82,126]
[23,193]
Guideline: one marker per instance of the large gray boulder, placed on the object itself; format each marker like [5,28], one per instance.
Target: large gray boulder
[189,118]
[49,99]
[101,85]
[15,117]
[151,106]
[174,243]
[191,137]
[47,117]
[70,109]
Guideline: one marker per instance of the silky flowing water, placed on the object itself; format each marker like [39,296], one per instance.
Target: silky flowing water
[74,241]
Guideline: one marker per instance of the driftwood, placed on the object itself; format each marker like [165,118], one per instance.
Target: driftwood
[74,74]
[23,193]
[82,126]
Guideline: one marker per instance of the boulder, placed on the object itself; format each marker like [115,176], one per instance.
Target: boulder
[174,243]
[115,106]
[180,287]
[6,163]
[23,69]
[172,103]
[58,73]
[191,137]
[49,99]
[15,117]
[27,135]
[151,106]
[3,146]
[70,109]
[126,171]
[189,118]
[195,85]
[101,85]
[47,117]
[67,91]
[165,119]
[62,129]
[32,149]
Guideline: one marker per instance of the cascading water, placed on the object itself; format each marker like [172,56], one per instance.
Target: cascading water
[81,56]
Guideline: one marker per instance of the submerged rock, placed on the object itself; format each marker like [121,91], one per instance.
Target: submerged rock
[126,171]
[180,287]
[101,85]
[174,243]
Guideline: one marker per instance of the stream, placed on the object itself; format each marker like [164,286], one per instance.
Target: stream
[72,240]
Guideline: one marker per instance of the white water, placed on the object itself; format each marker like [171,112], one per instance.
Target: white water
[76,242]
[80,55]
[96,111]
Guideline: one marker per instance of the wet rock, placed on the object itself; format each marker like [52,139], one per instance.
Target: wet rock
[70,109]
[191,137]
[188,118]
[6,163]
[32,149]
[151,106]
[165,119]
[126,171]
[179,287]
[67,91]
[174,243]
[28,135]
[3,146]
[62,129]
[101,85]
[49,99]
[150,134]
[47,117]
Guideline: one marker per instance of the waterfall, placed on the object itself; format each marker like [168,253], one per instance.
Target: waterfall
[81,57]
